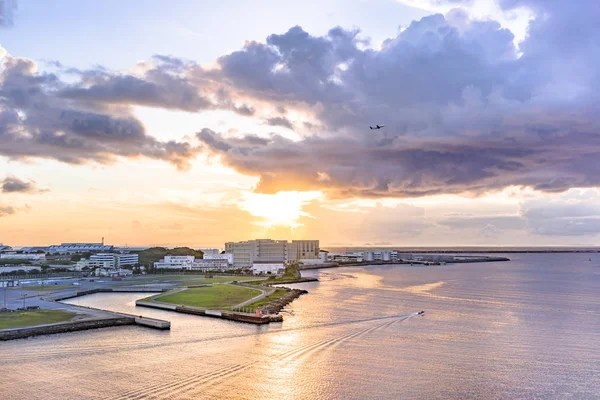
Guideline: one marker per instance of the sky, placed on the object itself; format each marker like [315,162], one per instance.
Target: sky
[196,123]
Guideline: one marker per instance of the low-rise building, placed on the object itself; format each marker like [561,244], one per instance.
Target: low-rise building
[218,256]
[268,268]
[381,255]
[112,272]
[210,264]
[84,264]
[175,262]
[191,263]
[116,260]
[21,256]
[346,258]
[74,248]
[323,255]
[33,249]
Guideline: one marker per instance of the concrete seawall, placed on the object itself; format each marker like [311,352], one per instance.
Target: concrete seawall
[79,293]
[20,333]
[160,306]
[153,323]
[291,281]
[228,315]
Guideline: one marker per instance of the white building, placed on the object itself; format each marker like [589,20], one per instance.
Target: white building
[89,264]
[115,260]
[323,255]
[210,264]
[346,258]
[175,262]
[268,268]
[218,256]
[112,272]
[74,248]
[20,256]
[190,263]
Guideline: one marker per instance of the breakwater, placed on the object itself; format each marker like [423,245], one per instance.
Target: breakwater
[290,281]
[79,293]
[228,315]
[20,333]
[277,305]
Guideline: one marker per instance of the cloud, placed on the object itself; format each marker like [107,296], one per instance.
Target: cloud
[500,222]
[574,213]
[161,82]
[7,13]
[466,112]
[38,120]
[463,112]
[12,184]
[6,210]
[280,121]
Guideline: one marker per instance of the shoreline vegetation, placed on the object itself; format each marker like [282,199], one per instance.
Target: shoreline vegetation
[234,293]
[25,319]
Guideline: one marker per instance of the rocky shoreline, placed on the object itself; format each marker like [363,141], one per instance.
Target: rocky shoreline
[277,305]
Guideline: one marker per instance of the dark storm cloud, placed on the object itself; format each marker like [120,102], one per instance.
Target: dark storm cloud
[13,184]
[38,120]
[156,89]
[401,168]
[463,112]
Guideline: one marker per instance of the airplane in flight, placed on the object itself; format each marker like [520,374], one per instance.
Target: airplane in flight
[377,126]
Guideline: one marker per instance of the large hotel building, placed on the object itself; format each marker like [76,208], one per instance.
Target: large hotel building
[248,253]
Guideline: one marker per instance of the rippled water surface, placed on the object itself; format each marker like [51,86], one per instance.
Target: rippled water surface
[529,328]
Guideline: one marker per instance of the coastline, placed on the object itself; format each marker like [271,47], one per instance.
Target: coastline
[100,318]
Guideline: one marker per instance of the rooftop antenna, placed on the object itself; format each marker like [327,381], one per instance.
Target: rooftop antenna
[102,240]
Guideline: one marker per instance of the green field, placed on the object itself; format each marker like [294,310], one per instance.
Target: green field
[213,297]
[143,278]
[277,294]
[193,279]
[31,318]
[47,287]
[218,280]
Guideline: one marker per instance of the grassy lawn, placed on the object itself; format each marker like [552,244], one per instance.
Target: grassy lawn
[215,297]
[165,277]
[278,293]
[31,318]
[46,287]
[289,275]
[218,280]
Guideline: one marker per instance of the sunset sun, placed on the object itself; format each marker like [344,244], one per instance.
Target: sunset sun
[280,209]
